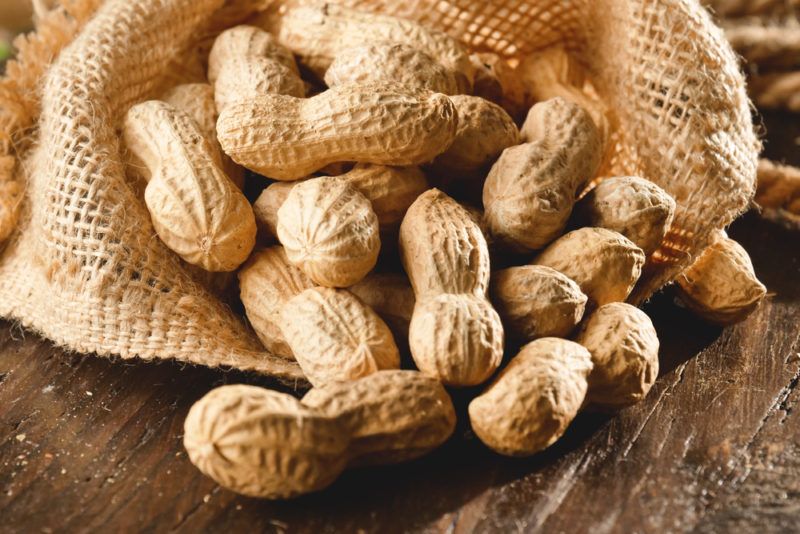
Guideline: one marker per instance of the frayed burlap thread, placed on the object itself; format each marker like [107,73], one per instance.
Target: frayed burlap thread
[87,270]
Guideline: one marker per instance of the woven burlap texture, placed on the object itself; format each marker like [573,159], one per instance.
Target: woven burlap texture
[87,270]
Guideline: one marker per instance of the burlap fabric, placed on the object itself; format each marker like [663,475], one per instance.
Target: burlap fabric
[86,269]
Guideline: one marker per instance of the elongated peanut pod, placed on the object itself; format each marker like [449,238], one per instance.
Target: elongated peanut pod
[455,334]
[534,399]
[10,197]
[287,138]
[197,101]
[197,211]
[721,285]
[321,32]
[267,444]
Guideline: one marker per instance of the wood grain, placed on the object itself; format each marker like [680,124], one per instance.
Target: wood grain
[91,444]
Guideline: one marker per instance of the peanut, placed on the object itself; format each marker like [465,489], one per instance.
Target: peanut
[392,298]
[267,444]
[498,82]
[319,33]
[197,101]
[287,138]
[455,334]
[624,348]
[536,301]
[530,404]
[552,73]
[632,206]
[390,190]
[266,283]
[246,62]
[484,131]
[605,264]
[196,210]
[329,231]
[721,285]
[530,191]
[410,67]
[336,337]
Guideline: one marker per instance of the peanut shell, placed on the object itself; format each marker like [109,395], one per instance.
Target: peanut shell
[484,131]
[391,62]
[262,443]
[336,337]
[498,82]
[393,416]
[530,191]
[536,301]
[530,404]
[605,264]
[287,138]
[624,348]
[721,285]
[329,231]
[266,283]
[632,206]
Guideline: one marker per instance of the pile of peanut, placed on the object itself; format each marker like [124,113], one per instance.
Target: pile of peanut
[401,169]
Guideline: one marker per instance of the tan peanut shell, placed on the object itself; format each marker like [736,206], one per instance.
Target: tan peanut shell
[393,416]
[632,206]
[604,263]
[498,82]
[721,285]
[457,338]
[263,443]
[246,62]
[391,62]
[455,334]
[197,211]
[484,131]
[287,138]
[536,301]
[554,73]
[329,231]
[197,100]
[336,337]
[442,248]
[530,191]
[319,33]
[624,347]
[267,444]
[267,205]
[390,190]
[266,283]
[530,404]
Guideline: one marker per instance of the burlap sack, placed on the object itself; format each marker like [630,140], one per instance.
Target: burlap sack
[86,270]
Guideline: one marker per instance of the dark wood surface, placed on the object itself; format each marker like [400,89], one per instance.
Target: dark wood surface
[90,444]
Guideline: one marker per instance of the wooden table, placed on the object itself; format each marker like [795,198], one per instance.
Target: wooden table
[89,444]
